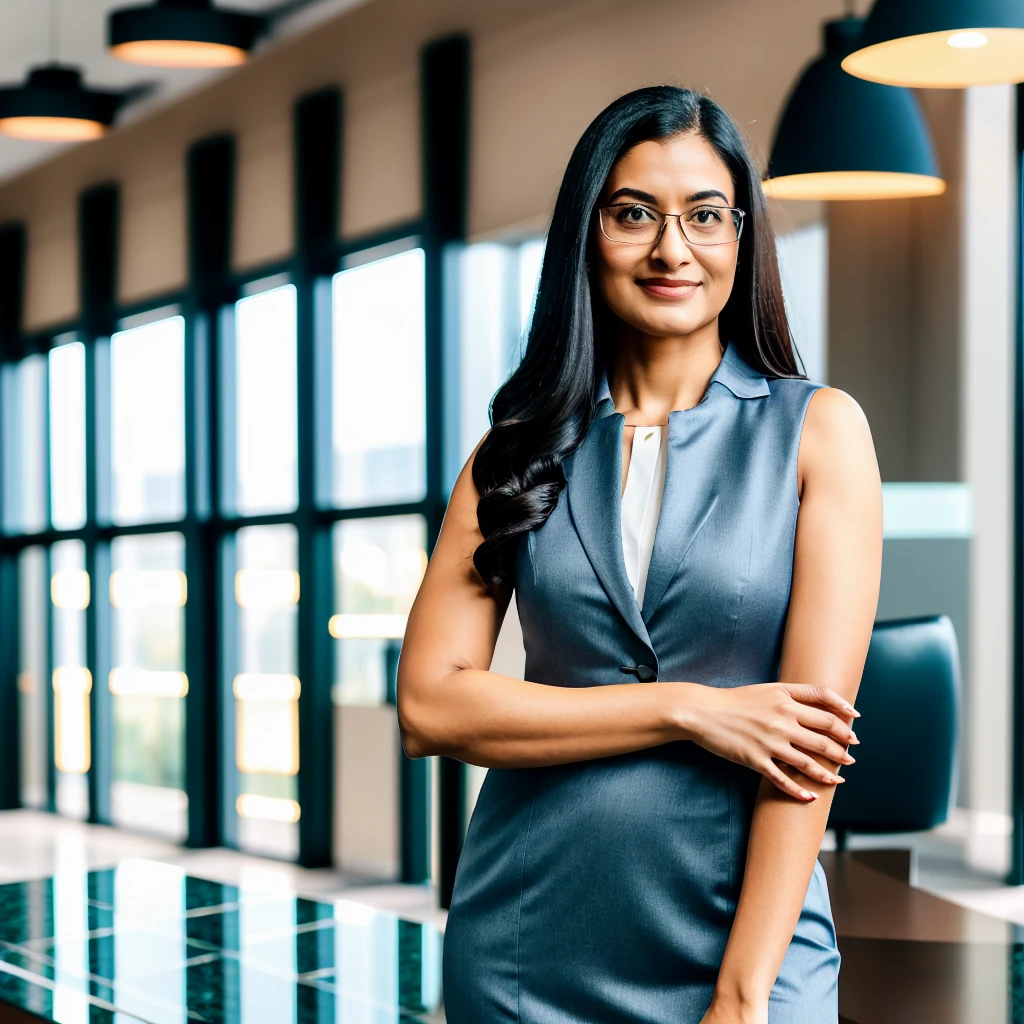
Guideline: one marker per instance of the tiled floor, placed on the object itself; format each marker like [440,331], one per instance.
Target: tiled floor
[144,942]
[37,845]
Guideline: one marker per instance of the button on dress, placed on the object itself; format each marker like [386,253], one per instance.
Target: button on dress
[603,891]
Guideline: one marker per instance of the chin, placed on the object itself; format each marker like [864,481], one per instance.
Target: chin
[671,327]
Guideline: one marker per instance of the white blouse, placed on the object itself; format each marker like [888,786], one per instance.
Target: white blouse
[641,503]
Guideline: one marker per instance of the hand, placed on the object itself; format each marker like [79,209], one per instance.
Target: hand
[767,722]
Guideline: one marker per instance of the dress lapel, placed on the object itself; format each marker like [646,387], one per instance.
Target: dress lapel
[593,486]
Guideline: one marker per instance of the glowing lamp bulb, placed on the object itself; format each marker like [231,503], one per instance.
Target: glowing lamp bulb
[967,40]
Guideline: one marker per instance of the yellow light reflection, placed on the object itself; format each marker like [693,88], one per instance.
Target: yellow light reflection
[140,682]
[833,185]
[69,590]
[52,129]
[267,723]
[267,808]
[934,60]
[131,588]
[266,589]
[72,747]
[179,53]
[381,626]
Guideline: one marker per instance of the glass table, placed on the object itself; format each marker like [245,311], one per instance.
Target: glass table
[144,942]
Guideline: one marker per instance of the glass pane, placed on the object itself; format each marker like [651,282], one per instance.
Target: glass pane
[148,683]
[379,411]
[266,689]
[32,675]
[378,565]
[496,295]
[267,463]
[72,681]
[147,372]
[24,421]
[67,436]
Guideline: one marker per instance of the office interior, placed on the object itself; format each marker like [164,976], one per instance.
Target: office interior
[249,334]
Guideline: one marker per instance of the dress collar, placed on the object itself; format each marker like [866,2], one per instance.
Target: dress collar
[733,371]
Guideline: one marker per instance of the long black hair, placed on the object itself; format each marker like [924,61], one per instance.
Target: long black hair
[544,409]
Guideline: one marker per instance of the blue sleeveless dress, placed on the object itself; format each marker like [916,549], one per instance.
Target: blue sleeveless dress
[603,891]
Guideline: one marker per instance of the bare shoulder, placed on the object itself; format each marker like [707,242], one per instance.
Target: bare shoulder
[836,444]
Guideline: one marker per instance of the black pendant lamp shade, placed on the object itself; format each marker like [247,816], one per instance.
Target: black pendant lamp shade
[182,34]
[844,138]
[53,105]
[941,43]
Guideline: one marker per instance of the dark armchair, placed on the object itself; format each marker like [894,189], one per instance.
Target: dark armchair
[909,698]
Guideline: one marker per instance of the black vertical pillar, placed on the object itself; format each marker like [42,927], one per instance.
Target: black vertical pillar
[210,176]
[445,89]
[317,152]
[1017,753]
[12,276]
[98,236]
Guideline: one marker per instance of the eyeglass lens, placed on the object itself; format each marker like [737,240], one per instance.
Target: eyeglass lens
[703,225]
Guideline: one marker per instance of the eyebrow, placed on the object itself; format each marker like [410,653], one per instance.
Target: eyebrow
[646,197]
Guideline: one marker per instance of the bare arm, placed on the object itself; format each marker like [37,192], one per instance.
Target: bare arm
[450,703]
[837,567]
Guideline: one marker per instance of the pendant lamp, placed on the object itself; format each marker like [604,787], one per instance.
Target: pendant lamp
[941,43]
[53,105]
[182,34]
[843,138]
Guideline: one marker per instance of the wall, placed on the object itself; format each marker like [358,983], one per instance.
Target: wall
[541,71]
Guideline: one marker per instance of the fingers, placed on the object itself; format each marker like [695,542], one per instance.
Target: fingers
[823,746]
[806,765]
[827,723]
[774,774]
[823,697]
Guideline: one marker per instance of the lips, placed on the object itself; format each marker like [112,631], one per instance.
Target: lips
[669,287]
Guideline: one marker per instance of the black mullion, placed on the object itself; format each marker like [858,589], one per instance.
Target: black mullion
[202,734]
[317,152]
[445,85]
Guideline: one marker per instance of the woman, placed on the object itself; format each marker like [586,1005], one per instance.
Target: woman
[693,532]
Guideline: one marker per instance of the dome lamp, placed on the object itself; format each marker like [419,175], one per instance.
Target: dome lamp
[182,34]
[844,138]
[941,43]
[54,106]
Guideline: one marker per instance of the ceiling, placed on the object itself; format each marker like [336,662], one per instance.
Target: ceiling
[81,40]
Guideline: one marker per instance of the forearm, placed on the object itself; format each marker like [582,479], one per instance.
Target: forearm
[497,721]
[785,837]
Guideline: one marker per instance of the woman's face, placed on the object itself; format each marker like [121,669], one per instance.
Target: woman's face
[671,287]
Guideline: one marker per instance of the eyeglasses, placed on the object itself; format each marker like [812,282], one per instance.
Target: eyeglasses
[636,224]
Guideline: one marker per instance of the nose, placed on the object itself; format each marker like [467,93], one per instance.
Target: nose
[672,248]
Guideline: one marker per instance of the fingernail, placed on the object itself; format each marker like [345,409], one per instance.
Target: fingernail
[852,710]
[853,737]
[810,796]
[839,779]
[850,760]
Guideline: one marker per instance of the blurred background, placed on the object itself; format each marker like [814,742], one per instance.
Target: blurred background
[250,327]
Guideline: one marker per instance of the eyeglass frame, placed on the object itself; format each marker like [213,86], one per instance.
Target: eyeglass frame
[678,216]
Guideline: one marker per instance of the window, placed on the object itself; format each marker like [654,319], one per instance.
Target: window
[379,407]
[24,427]
[497,289]
[147,370]
[266,689]
[265,439]
[67,436]
[32,676]
[70,596]
[148,683]
[378,566]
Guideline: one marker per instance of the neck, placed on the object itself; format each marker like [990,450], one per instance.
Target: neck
[649,377]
